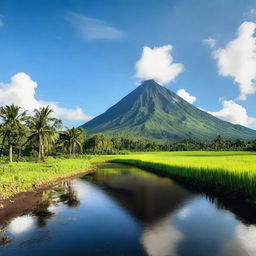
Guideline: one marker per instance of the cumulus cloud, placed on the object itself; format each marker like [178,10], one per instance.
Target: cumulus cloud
[238,59]
[1,20]
[234,113]
[210,42]
[21,91]
[90,28]
[186,96]
[157,64]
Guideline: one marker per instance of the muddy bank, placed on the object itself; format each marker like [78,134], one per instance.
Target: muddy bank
[22,203]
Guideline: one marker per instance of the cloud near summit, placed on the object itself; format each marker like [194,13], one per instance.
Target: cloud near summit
[21,91]
[186,96]
[157,63]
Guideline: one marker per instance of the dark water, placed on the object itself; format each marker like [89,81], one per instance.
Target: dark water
[122,210]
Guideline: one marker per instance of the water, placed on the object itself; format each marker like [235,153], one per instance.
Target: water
[122,210]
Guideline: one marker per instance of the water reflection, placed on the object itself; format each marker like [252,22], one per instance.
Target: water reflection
[161,238]
[21,224]
[146,196]
[244,240]
[4,239]
[121,210]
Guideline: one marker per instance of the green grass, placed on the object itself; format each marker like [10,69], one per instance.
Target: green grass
[26,176]
[235,171]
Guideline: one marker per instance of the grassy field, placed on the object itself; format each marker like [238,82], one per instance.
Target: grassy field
[26,176]
[235,171]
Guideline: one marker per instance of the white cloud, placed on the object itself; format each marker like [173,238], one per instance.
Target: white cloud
[157,64]
[234,113]
[186,96]
[238,59]
[1,20]
[210,42]
[90,28]
[21,224]
[21,91]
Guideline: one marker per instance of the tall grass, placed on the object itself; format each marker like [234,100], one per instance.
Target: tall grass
[26,176]
[235,171]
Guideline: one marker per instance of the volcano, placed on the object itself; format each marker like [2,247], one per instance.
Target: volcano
[152,111]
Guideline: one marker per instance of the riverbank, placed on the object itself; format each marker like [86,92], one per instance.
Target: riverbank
[224,173]
[23,177]
[230,174]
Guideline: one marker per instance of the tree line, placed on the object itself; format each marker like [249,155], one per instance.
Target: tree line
[37,134]
[40,135]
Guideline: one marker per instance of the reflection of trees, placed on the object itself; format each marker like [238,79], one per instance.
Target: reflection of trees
[41,209]
[63,193]
[69,195]
[243,211]
[4,240]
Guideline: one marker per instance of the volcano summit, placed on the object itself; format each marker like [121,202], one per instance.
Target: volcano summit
[152,111]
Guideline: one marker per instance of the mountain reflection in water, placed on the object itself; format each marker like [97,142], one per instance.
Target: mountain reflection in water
[122,210]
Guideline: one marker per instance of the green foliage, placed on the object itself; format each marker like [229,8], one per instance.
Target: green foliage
[11,128]
[99,144]
[43,129]
[153,112]
[72,140]
[26,176]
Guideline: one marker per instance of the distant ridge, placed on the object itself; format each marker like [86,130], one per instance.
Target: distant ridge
[152,111]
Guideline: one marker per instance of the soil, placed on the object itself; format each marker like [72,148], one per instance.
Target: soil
[22,203]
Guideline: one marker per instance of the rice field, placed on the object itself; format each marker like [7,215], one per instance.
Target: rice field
[235,171]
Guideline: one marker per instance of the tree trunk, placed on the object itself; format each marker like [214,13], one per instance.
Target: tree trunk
[10,153]
[39,149]
[2,148]
[19,154]
[70,151]
[42,152]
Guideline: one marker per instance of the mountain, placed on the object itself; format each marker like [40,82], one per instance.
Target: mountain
[152,111]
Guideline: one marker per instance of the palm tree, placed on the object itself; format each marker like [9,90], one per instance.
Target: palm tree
[73,139]
[43,129]
[11,125]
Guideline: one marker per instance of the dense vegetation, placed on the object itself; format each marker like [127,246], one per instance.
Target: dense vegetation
[36,136]
[154,112]
[233,171]
[40,135]
[29,140]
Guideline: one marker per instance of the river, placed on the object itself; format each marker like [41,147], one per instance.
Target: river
[123,210]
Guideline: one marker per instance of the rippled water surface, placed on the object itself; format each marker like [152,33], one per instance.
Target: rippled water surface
[122,210]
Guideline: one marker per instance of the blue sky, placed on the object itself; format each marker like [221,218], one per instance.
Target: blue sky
[82,54]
